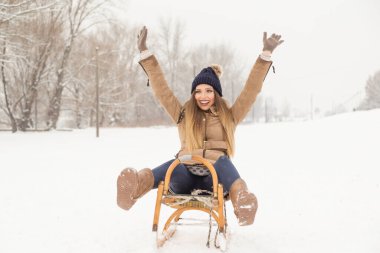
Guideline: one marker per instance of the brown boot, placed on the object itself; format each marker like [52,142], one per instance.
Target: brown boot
[132,185]
[244,202]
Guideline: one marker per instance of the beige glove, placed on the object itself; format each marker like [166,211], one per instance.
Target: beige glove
[141,39]
[272,42]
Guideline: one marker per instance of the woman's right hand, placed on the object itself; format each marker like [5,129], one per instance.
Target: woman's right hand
[272,42]
[141,39]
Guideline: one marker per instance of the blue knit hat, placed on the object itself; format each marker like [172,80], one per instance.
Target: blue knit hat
[210,76]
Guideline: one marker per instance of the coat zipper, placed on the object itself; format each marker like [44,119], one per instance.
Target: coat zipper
[204,136]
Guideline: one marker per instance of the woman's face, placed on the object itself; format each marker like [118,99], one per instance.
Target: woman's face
[205,96]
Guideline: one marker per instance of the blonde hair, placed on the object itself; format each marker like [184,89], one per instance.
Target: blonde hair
[193,124]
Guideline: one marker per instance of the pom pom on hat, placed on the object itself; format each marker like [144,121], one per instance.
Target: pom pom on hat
[210,76]
[217,69]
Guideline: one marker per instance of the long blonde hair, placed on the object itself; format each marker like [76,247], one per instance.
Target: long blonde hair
[193,124]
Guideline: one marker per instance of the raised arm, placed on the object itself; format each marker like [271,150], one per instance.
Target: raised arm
[255,79]
[157,79]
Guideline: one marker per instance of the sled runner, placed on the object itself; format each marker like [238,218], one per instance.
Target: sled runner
[213,203]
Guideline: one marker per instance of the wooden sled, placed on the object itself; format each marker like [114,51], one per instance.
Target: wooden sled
[212,204]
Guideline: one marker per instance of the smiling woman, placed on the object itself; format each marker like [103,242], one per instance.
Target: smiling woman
[205,96]
[204,85]
[206,127]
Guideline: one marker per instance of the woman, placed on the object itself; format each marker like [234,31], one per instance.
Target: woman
[206,126]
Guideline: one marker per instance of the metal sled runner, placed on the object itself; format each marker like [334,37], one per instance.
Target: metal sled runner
[212,204]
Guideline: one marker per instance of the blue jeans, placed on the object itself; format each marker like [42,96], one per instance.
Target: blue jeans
[183,182]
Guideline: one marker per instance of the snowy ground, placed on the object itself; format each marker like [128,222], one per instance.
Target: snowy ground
[318,185]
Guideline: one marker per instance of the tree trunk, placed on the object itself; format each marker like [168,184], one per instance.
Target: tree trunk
[78,113]
[55,102]
[7,103]
[32,91]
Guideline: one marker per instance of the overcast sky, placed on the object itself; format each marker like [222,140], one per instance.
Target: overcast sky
[331,46]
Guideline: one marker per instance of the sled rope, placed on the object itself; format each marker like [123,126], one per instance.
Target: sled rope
[217,230]
[209,229]
[184,199]
[207,201]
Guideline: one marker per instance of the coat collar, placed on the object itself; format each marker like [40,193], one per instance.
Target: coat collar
[213,111]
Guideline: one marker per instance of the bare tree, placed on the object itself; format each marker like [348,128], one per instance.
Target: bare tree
[25,46]
[13,9]
[124,98]
[77,13]
[8,110]
[44,32]
[172,53]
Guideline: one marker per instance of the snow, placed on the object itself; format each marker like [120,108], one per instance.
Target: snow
[317,182]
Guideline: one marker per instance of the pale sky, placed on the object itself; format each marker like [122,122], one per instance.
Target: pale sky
[331,46]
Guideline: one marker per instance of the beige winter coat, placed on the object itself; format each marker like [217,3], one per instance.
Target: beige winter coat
[214,144]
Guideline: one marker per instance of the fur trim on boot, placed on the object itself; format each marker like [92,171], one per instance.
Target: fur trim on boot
[244,202]
[132,185]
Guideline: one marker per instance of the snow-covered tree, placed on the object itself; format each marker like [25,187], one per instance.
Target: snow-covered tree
[372,93]
[25,41]
[78,16]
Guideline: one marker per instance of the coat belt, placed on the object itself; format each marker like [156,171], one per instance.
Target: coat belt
[217,145]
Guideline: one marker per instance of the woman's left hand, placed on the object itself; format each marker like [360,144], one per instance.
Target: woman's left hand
[272,42]
[141,39]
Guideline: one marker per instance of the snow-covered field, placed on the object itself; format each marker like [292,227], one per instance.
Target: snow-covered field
[318,185]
